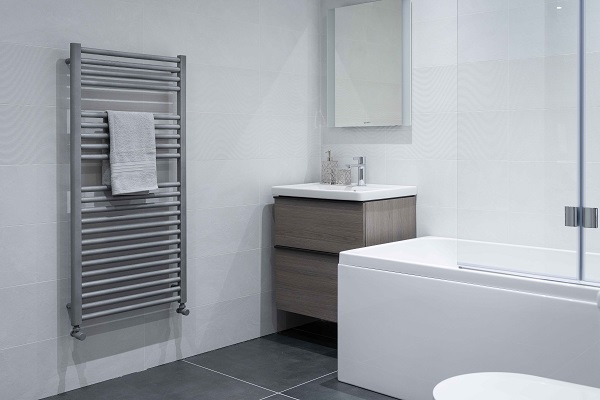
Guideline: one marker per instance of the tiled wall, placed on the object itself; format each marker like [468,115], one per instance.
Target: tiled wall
[253,104]
[425,155]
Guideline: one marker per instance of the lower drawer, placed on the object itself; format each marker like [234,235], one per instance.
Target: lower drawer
[306,283]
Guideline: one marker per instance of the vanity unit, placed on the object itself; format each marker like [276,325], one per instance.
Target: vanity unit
[314,223]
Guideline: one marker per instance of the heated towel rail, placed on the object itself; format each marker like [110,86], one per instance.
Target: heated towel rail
[127,252]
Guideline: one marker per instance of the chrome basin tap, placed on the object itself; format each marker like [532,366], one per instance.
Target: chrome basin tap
[361,165]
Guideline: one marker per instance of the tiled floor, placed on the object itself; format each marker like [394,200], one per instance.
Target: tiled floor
[296,364]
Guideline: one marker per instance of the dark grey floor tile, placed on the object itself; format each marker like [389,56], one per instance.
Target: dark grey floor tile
[174,381]
[277,362]
[329,388]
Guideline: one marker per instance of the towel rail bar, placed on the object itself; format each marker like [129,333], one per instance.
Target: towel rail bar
[159,204]
[135,236]
[129,217]
[104,125]
[105,156]
[136,286]
[133,277]
[105,136]
[117,228]
[139,256]
[126,198]
[125,54]
[141,237]
[123,299]
[104,114]
[103,146]
[126,85]
[137,246]
[103,188]
[119,310]
[129,75]
[132,267]
[121,64]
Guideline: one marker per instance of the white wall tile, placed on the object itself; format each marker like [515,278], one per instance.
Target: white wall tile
[287,94]
[481,6]
[227,323]
[168,337]
[34,81]
[223,183]
[483,36]
[290,14]
[32,253]
[434,221]
[427,10]
[562,27]
[286,171]
[434,43]
[225,230]
[286,136]
[223,136]
[223,90]
[435,180]
[562,87]
[227,277]
[527,86]
[527,31]
[483,185]
[434,89]
[541,230]
[527,135]
[434,137]
[112,24]
[483,225]
[16,209]
[483,86]
[29,135]
[483,135]
[290,51]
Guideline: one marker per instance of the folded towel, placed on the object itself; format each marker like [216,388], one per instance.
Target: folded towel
[132,152]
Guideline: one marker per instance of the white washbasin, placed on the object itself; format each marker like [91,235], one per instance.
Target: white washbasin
[349,193]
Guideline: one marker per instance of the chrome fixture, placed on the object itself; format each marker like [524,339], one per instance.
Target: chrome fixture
[588,219]
[362,170]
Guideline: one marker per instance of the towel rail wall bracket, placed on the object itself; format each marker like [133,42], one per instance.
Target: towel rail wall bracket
[161,278]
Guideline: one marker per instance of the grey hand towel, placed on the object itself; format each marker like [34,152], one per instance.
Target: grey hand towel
[132,152]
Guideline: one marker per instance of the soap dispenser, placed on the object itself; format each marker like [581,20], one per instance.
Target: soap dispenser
[329,170]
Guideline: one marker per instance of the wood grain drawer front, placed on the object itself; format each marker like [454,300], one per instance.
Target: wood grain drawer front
[390,220]
[319,225]
[306,283]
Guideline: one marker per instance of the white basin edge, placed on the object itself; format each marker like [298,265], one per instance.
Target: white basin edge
[349,193]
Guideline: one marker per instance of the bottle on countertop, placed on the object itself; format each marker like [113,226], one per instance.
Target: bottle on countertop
[329,170]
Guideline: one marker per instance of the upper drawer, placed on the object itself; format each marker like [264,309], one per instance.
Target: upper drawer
[319,225]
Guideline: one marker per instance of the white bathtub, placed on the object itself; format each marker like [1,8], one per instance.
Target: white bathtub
[409,318]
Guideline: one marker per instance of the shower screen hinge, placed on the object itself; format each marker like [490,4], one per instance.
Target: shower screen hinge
[571,216]
[588,219]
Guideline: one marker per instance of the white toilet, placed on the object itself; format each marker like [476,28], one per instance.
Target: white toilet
[508,386]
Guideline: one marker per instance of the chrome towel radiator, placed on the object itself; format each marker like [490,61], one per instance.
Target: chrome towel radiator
[127,252]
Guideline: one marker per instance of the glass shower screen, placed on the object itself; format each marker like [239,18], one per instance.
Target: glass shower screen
[518,136]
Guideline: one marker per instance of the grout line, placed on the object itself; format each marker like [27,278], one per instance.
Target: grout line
[293,387]
[229,376]
[285,395]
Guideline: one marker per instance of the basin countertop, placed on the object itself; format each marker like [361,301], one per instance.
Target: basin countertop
[369,192]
